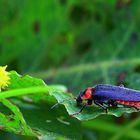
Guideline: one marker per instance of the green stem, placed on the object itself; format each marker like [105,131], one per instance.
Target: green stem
[25,91]
[125,40]
[87,67]
[111,128]
[126,129]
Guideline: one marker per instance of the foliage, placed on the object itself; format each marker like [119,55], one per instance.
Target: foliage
[39,120]
[72,43]
[31,115]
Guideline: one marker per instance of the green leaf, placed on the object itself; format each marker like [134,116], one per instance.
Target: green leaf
[43,120]
[38,118]
[90,112]
[16,120]
[35,118]
[17,81]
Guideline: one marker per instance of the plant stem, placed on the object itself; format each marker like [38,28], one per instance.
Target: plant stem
[25,91]
[126,129]
[86,67]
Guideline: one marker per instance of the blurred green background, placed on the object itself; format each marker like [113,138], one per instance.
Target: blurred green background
[77,43]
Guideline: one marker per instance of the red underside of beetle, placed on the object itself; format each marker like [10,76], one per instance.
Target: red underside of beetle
[134,104]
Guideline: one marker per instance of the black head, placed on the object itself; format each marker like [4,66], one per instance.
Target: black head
[87,94]
[79,99]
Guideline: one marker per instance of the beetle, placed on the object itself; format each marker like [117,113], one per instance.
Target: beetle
[105,96]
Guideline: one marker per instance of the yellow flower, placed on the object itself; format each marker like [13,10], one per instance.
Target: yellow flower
[4,77]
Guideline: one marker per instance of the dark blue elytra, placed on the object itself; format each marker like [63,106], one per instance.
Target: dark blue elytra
[108,92]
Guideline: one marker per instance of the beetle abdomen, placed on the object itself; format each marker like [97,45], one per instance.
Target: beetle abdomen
[133,104]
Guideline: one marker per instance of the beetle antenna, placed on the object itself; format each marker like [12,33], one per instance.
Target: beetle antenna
[77,113]
[62,102]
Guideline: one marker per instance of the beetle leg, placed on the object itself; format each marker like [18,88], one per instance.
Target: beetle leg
[101,105]
[89,102]
[77,113]
[112,103]
[138,109]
